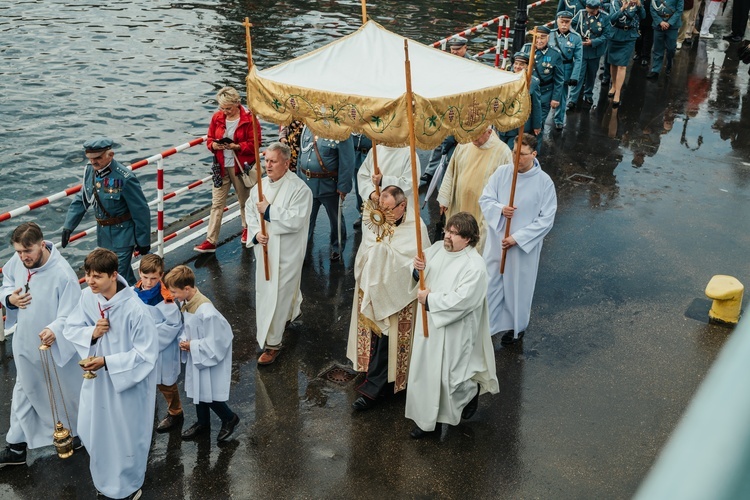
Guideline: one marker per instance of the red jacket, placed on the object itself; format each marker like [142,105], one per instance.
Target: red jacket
[242,136]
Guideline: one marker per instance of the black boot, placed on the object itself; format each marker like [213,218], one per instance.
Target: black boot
[471,407]
[13,454]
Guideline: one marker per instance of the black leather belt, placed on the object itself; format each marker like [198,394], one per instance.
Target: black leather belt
[112,221]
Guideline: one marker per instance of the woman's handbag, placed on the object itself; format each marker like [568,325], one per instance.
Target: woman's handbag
[248,174]
[216,173]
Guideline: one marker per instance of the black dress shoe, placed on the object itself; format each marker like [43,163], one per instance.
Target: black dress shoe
[571,106]
[227,428]
[77,444]
[363,403]
[668,71]
[606,80]
[335,256]
[645,62]
[418,433]
[732,38]
[471,407]
[616,104]
[195,430]
[509,339]
[170,422]
[652,75]
[588,100]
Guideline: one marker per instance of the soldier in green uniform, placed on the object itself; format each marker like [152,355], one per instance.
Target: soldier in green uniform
[122,214]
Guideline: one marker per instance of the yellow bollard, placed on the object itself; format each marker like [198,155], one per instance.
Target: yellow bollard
[726,292]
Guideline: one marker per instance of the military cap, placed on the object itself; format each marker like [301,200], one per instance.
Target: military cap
[524,56]
[593,3]
[457,41]
[566,14]
[98,144]
[543,30]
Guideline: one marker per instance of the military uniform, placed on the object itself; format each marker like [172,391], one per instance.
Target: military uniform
[570,46]
[572,6]
[548,68]
[598,30]
[327,170]
[625,24]
[122,213]
[669,11]
[535,118]
[362,145]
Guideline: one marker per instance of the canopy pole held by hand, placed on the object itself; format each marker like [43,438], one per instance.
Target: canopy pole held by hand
[364,12]
[414,175]
[375,168]
[517,151]
[256,144]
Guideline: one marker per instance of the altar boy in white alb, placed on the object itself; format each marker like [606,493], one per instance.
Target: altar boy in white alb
[456,362]
[286,206]
[509,294]
[206,345]
[116,337]
[39,290]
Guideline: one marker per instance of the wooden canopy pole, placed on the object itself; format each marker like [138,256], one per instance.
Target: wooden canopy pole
[256,143]
[517,152]
[364,12]
[414,176]
[375,168]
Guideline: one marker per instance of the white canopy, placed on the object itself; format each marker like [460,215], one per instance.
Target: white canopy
[358,84]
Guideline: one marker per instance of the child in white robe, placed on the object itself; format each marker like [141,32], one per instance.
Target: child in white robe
[166,315]
[206,342]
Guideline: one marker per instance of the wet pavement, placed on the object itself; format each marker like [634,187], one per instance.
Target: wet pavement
[617,345]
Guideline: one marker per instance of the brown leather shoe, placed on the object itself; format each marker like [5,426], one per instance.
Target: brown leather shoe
[268,356]
[170,422]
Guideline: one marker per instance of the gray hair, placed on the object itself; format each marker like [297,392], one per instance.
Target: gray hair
[286,152]
[228,95]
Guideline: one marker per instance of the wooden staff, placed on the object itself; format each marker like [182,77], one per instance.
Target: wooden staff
[517,152]
[414,177]
[375,169]
[256,144]
[364,11]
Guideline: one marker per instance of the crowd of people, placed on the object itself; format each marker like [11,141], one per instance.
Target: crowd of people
[131,337]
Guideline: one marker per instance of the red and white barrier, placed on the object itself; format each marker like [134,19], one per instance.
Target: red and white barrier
[73,190]
[536,4]
[441,43]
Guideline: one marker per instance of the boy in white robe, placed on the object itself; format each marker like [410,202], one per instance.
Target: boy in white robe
[39,290]
[456,363]
[206,344]
[509,295]
[114,335]
[166,315]
[286,206]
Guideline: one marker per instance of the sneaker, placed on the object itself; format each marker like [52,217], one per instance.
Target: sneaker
[707,36]
[205,247]
[244,236]
[268,356]
[679,45]
[10,457]
[136,495]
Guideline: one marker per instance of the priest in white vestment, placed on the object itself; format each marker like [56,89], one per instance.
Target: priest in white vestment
[394,165]
[286,206]
[510,294]
[114,333]
[467,174]
[39,290]
[456,362]
[383,308]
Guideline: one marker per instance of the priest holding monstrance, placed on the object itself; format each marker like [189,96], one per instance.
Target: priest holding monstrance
[383,313]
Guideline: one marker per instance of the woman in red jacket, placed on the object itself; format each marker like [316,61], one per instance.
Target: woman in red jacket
[231,140]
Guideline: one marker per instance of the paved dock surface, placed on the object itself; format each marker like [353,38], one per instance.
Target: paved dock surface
[617,345]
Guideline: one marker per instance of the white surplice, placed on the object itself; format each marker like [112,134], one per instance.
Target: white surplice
[510,294]
[278,300]
[208,363]
[166,315]
[457,355]
[55,292]
[116,416]
[395,166]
